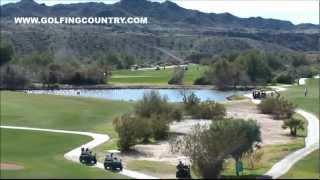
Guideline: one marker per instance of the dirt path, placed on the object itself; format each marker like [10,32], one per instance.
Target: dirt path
[74,154]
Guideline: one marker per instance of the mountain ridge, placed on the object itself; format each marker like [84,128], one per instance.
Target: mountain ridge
[166,11]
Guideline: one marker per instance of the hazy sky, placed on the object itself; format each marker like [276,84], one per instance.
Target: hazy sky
[296,11]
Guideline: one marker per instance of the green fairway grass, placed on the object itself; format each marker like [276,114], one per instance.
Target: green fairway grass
[310,103]
[307,168]
[60,112]
[272,154]
[160,77]
[154,168]
[41,155]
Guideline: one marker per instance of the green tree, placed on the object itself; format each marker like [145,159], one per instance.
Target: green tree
[126,127]
[256,67]
[293,124]
[208,148]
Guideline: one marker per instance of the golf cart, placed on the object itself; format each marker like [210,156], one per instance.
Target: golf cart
[259,94]
[183,171]
[87,158]
[112,162]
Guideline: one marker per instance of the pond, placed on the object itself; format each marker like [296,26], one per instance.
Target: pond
[173,95]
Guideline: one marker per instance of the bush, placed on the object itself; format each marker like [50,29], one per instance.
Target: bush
[201,81]
[285,79]
[160,126]
[126,127]
[267,105]
[191,103]
[152,103]
[211,110]
[176,114]
[280,108]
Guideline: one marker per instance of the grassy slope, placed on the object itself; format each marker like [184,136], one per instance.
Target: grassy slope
[41,154]
[160,77]
[309,166]
[59,112]
[296,95]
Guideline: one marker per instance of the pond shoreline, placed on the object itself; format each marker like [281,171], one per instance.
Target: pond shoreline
[107,86]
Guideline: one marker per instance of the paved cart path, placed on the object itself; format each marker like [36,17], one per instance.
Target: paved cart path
[74,154]
[311,141]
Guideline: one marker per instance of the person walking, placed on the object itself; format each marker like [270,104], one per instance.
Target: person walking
[305,91]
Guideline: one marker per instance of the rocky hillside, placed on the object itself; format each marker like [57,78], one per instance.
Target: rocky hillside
[172,31]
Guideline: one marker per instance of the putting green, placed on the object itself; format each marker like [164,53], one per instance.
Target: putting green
[41,155]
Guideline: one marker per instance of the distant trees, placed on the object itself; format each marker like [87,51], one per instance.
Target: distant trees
[240,69]
[256,67]
[13,77]
[117,61]
[225,74]
[293,124]
[6,53]
[208,148]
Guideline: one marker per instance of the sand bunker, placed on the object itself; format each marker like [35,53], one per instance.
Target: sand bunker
[10,166]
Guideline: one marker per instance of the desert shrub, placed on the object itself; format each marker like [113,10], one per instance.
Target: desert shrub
[126,127]
[267,105]
[176,114]
[152,103]
[210,110]
[284,109]
[191,103]
[293,124]
[280,108]
[160,126]
[144,129]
